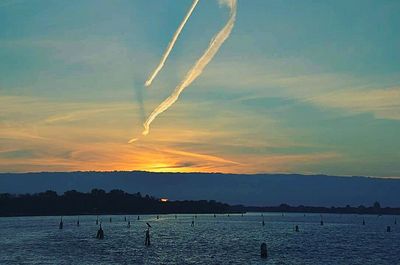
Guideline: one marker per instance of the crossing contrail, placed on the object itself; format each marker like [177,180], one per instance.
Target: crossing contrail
[198,67]
[171,45]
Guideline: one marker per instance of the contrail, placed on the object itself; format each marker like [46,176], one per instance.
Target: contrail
[171,44]
[198,67]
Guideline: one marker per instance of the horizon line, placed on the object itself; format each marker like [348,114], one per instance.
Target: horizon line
[205,173]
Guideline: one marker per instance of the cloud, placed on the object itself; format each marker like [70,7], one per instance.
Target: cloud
[210,158]
[6,3]
[382,103]
[282,79]
[16,153]
[86,114]
[82,136]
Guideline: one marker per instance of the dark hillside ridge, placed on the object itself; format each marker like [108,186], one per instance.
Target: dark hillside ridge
[255,190]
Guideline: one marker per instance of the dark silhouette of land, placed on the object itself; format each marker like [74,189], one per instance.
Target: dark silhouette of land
[374,209]
[119,202]
[99,202]
[256,190]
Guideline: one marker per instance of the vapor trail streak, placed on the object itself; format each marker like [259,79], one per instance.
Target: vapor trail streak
[171,45]
[198,68]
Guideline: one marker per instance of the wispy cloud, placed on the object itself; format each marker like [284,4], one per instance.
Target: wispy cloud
[95,143]
[382,103]
[86,114]
[6,3]
[325,90]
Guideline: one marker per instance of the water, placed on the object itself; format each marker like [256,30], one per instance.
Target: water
[221,240]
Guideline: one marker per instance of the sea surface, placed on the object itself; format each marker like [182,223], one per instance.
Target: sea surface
[222,239]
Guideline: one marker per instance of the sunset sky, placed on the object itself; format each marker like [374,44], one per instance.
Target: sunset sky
[299,87]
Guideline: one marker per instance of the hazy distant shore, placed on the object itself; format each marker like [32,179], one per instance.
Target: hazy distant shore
[234,189]
[100,202]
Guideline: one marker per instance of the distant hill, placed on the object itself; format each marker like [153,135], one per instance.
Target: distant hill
[256,190]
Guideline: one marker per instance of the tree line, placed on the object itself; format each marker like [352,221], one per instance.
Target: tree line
[98,202]
[375,209]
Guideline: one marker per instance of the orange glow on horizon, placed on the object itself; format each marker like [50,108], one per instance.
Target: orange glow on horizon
[97,142]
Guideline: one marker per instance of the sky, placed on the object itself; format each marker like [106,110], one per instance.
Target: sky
[308,87]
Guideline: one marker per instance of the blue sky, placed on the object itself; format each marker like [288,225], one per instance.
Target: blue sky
[299,86]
